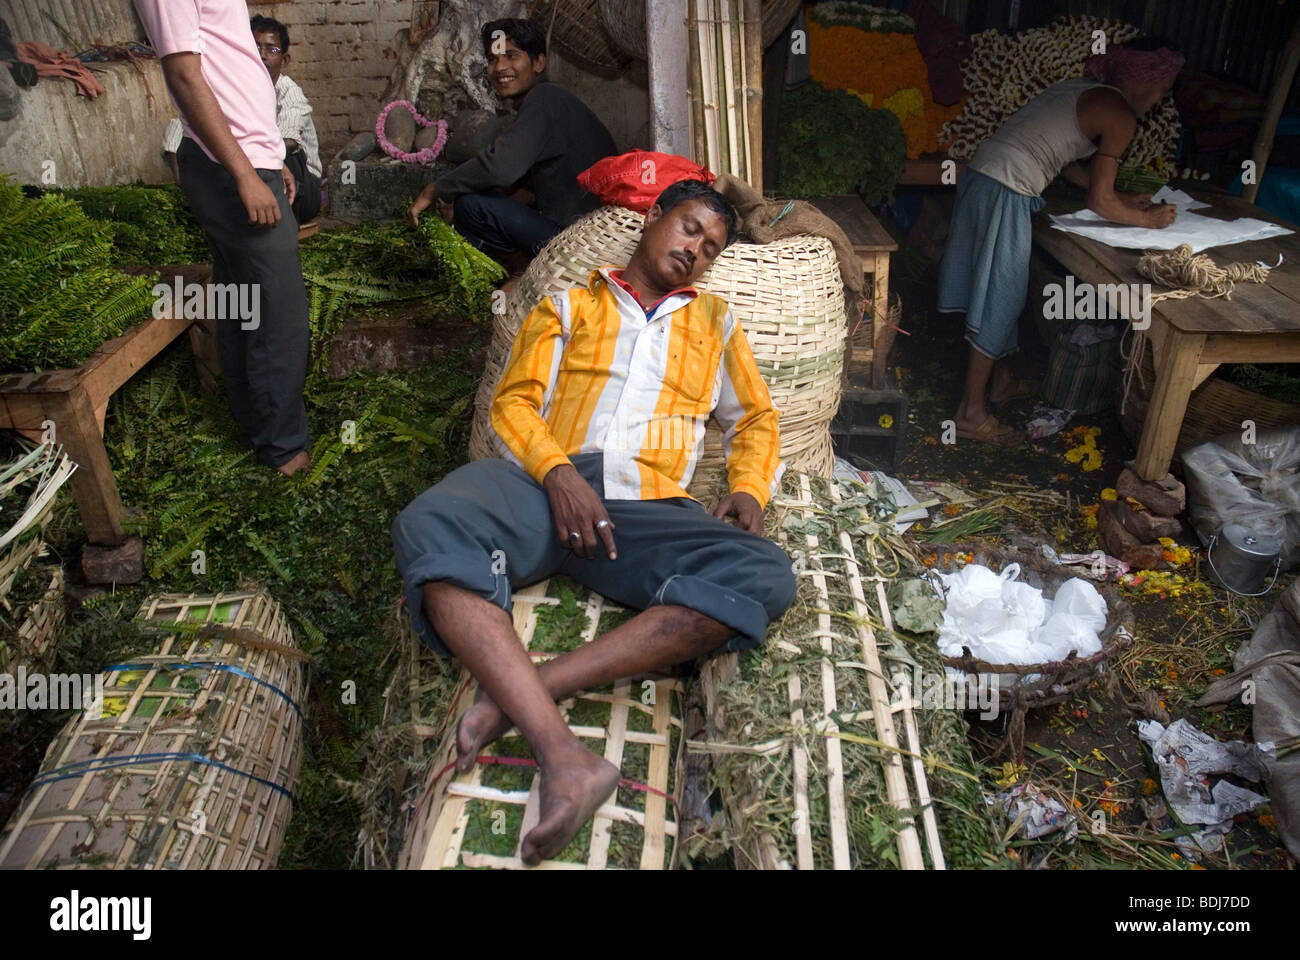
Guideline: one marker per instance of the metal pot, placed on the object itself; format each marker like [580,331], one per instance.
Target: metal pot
[1240,559]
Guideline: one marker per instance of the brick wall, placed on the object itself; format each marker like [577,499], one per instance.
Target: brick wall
[343,52]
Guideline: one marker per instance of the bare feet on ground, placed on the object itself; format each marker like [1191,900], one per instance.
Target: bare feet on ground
[480,726]
[301,462]
[573,788]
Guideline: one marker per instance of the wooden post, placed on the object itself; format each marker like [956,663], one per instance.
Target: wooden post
[670,99]
[93,485]
[1276,102]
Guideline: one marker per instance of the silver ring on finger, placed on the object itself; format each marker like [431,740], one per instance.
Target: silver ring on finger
[574,535]
[602,525]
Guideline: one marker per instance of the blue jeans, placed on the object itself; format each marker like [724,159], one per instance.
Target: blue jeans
[496,224]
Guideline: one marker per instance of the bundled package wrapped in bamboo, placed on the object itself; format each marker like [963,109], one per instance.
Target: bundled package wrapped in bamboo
[787,295]
[186,758]
[828,743]
[31,594]
[478,819]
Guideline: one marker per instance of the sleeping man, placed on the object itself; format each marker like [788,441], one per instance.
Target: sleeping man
[602,407]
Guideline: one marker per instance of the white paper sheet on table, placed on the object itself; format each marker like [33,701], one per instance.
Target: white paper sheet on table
[1190,228]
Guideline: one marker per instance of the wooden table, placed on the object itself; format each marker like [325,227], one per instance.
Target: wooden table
[1190,338]
[873,245]
[75,402]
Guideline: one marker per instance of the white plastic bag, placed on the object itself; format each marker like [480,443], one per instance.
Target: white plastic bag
[1079,597]
[1254,484]
[1064,632]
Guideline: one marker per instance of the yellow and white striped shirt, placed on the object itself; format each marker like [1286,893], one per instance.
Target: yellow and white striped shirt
[591,372]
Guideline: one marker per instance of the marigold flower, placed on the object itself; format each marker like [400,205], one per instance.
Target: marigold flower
[1110,494]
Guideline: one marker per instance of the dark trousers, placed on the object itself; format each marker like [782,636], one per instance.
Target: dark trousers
[263,368]
[306,205]
[497,225]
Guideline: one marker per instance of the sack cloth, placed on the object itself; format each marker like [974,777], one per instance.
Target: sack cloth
[756,216]
[56,63]
[1270,659]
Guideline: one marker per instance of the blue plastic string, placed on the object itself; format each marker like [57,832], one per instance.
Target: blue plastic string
[207,665]
[82,767]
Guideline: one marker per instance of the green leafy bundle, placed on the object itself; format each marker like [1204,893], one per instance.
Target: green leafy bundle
[832,142]
[377,264]
[62,299]
[150,224]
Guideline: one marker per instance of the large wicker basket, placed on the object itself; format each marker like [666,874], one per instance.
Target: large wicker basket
[1038,684]
[191,760]
[787,295]
[1216,407]
[575,26]
[624,22]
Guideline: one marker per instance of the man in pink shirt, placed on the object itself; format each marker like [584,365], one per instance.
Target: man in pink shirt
[232,170]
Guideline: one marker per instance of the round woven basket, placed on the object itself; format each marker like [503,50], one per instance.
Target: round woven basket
[576,27]
[624,22]
[787,295]
[1038,684]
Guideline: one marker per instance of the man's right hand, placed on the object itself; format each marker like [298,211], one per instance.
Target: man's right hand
[422,203]
[257,198]
[577,509]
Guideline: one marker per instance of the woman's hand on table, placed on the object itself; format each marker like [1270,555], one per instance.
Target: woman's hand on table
[1160,215]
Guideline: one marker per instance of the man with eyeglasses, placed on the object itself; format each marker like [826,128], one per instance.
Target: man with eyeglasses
[231,166]
[292,116]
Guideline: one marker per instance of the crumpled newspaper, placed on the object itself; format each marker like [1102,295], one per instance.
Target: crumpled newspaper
[1042,815]
[1187,758]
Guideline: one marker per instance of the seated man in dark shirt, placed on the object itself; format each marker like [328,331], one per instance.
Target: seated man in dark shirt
[554,138]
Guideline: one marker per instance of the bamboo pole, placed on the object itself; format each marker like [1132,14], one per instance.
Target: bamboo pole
[695,71]
[1276,102]
[724,30]
[752,17]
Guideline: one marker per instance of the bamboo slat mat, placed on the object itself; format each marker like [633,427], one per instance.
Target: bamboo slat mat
[444,830]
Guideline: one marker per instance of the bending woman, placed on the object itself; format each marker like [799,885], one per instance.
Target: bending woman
[985,269]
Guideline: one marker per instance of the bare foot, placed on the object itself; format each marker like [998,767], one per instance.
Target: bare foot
[301,462]
[572,790]
[481,724]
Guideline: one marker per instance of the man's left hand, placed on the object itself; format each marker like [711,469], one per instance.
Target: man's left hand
[742,506]
[290,188]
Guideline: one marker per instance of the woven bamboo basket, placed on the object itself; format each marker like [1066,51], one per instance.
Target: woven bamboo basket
[624,22]
[787,295]
[29,631]
[31,598]
[478,819]
[799,791]
[1214,408]
[575,26]
[193,760]
[1039,684]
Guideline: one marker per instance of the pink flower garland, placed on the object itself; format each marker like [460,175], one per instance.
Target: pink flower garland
[425,156]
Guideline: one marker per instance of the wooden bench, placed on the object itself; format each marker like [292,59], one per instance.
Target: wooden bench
[873,245]
[75,402]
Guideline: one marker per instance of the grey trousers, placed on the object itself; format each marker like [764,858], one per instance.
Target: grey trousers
[264,368]
[487,527]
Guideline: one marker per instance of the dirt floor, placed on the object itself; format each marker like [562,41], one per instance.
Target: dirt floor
[1086,752]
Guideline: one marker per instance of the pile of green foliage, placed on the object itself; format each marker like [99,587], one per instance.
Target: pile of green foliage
[832,142]
[1276,381]
[61,298]
[150,224]
[377,264]
[320,542]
